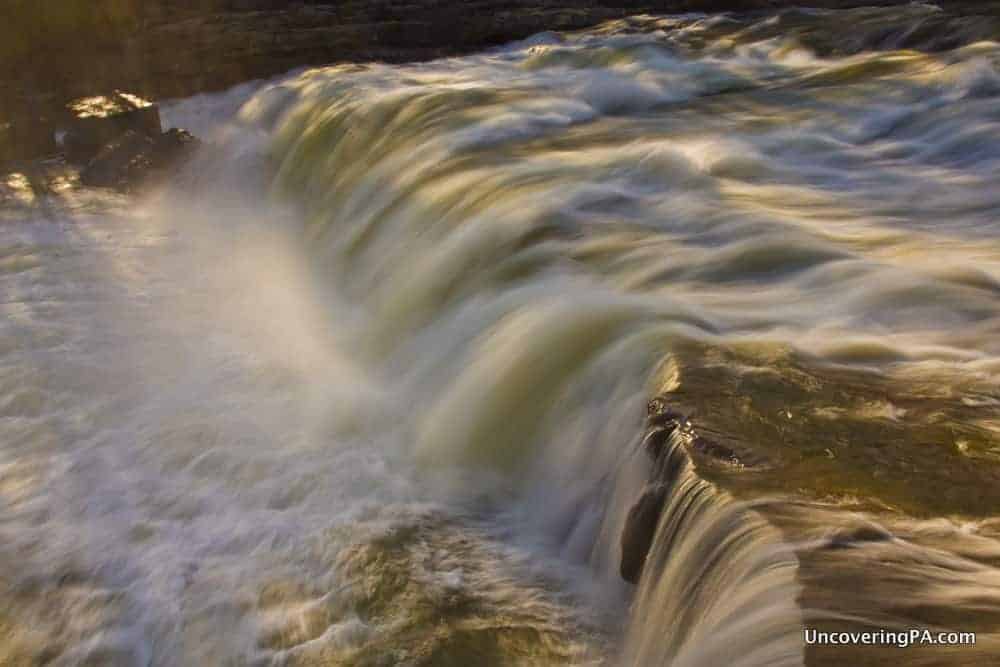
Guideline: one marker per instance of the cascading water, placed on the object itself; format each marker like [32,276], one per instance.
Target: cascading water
[718,578]
[366,385]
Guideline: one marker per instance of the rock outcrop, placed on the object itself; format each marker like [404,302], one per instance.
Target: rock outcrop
[116,141]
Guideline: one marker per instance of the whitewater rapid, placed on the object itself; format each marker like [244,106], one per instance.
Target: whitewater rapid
[366,384]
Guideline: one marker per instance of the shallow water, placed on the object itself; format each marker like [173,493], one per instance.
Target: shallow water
[366,384]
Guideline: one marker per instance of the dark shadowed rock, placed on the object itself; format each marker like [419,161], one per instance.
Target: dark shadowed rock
[93,122]
[640,528]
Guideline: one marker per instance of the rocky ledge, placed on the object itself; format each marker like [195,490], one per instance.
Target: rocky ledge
[110,141]
[671,442]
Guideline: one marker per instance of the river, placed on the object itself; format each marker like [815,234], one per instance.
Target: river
[365,383]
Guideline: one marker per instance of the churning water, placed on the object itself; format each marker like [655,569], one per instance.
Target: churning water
[366,385]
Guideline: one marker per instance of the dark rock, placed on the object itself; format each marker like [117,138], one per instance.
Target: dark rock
[134,159]
[640,528]
[95,121]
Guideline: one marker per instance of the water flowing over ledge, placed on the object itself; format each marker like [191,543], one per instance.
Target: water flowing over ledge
[367,384]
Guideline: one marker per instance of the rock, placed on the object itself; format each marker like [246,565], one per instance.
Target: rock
[640,528]
[95,121]
[134,159]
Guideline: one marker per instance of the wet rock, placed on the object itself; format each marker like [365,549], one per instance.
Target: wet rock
[94,122]
[134,159]
[640,528]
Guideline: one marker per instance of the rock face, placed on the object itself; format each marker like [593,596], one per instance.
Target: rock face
[115,140]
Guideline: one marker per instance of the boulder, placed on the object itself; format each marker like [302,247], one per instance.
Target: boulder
[93,122]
